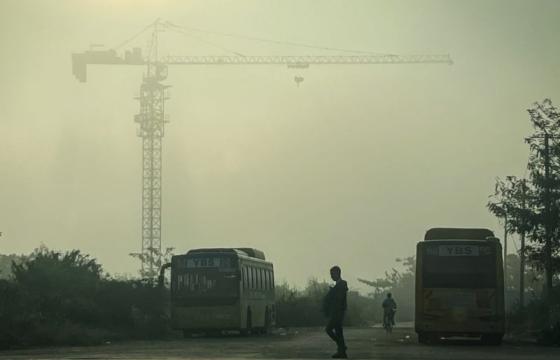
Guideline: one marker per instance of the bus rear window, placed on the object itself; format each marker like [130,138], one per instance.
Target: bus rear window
[195,283]
[457,266]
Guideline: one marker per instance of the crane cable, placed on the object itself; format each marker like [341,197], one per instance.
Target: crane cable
[181,31]
[277,42]
[132,38]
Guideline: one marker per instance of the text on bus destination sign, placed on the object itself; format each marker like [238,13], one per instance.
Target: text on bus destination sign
[458,250]
[208,262]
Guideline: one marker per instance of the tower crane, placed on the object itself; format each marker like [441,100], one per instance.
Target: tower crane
[151,118]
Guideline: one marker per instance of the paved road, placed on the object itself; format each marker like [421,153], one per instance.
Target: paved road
[370,343]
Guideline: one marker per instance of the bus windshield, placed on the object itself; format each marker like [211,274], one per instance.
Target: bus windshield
[459,266]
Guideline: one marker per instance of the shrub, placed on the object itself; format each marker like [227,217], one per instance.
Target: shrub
[63,298]
[303,307]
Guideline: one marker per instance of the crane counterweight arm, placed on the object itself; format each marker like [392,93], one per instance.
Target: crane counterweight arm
[110,57]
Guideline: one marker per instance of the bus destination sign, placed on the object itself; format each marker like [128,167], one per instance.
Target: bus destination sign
[208,262]
[458,250]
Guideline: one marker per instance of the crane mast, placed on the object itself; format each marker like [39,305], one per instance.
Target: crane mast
[151,122]
[151,118]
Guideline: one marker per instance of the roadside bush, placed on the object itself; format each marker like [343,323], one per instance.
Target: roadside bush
[299,308]
[537,319]
[63,298]
[133,307]
[10,313]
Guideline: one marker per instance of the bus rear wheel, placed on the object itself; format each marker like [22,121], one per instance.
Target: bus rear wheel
[491,339]
[249,324]
[267,322]
[214,333]
[427,338]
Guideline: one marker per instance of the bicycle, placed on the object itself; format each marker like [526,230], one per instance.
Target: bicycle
[388,321]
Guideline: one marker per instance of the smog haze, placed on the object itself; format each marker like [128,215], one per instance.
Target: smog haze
[350,166]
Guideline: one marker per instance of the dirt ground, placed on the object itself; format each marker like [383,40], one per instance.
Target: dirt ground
[363,343]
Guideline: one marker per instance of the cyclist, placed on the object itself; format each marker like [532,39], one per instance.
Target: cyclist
[389,308]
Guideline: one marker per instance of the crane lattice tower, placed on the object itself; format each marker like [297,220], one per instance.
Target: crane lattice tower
[151,128]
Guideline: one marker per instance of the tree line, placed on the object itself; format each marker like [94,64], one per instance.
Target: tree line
[65,298]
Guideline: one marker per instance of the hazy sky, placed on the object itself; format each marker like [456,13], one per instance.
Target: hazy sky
[351,167]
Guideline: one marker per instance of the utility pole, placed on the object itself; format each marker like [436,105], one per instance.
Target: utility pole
[547,213]
[547,219]
[505,246]
[522,250]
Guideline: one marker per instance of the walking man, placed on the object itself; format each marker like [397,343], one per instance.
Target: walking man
[334,307]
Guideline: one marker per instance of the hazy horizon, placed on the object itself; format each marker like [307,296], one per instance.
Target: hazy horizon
[349,168]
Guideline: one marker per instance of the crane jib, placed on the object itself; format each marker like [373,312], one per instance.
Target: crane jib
[110,57]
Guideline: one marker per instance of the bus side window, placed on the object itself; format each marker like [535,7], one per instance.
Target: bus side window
[248,274]
[266,282]
[179,282]
[248,277]
[261,273]
[265,279]
[252,277]
[242,278]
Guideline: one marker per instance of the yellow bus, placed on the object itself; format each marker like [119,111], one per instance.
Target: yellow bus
[459,285]
[213,290]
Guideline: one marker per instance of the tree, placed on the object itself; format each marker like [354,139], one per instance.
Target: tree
[532,207]
[509,202]
[160,258]
[6,264]
[544,167]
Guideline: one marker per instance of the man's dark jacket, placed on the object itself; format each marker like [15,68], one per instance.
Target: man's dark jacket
[334,304]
